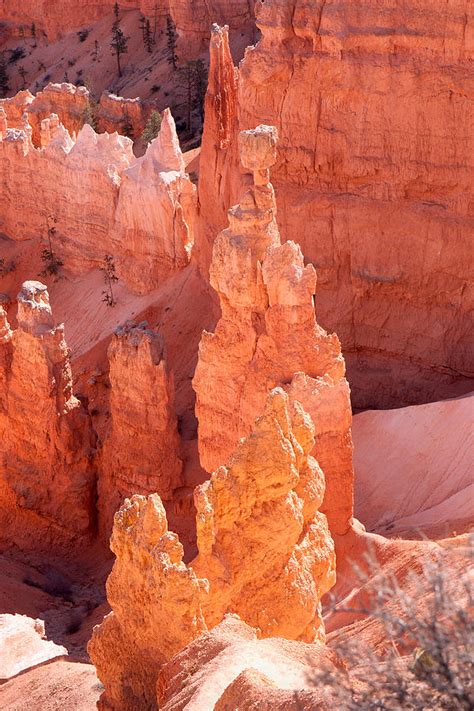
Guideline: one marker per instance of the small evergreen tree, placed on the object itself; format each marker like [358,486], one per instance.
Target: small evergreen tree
[91,112]
[172,42]
[23,73]
[152,127]
[148,38]
[116,11]
[193,78]
[142,26]
[110,278]
[51,261]
[4,81]
[33,30]
[119,45]
[200,86]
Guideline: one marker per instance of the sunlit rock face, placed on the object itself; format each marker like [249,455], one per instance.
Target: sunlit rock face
[47,480]
[373,179]
[142,211]
[263,548]
[268,335]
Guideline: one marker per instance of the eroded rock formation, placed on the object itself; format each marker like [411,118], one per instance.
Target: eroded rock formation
[126,116]
[145,207]
[267,500]
[47,481]
[66,100]
[268,335]
[374,179]
[140,453]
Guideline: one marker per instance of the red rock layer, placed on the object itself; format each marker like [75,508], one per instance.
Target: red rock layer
[267,500]
[118,114]
[268,335]
[140,453]
[47,482]
[145,207]
[193,20]
[374,179]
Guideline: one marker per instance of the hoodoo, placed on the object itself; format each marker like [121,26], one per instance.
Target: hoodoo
[268,336]
[47,485]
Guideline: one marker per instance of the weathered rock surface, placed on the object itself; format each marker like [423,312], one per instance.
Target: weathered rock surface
[155,600]
[115,113]
[140,453]
[47,481]
[268,335]
[193,22]
[229,668]
[67,101]
[374,179]
[144,207]
[267,500]
[23,644]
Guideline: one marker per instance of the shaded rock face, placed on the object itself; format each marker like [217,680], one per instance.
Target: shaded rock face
[118,114]
[267,499]
[144,207]
[193,20]
[47,481]
[374,179]
[140,453]
[268,336]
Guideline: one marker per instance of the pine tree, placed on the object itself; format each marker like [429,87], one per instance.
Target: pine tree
[4,85]
[110,277]
[51,261]
[152,127]
[200,86]
[172,41]
[116,11]
[148,39]
[119,44]
[22,72]
[142,26]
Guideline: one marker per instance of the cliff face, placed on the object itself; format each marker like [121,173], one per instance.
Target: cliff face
[47,481]
[193,20]
[140,453]
[267,498]
[268,335]
[144,207]
[374,179]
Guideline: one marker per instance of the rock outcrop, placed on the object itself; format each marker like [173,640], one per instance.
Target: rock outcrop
[67,101]
[102,199]
[267,500]
[230,668]
[125,116]
[268,336]
[155,600]
[23,644]
[374,179]
[141,452]
[47,481]
[219,174]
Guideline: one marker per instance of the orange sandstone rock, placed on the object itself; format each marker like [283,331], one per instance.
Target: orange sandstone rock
[143,208]
[374,179]
[268,335]
[140,453]
[263,549]
[155,600]
[263,546]
[47,480]
[116,114]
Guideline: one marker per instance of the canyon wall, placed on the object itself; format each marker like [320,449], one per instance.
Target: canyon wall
[374,179]
[97,192]
[267,498]
[193,20]
[47,478]
[268,335]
